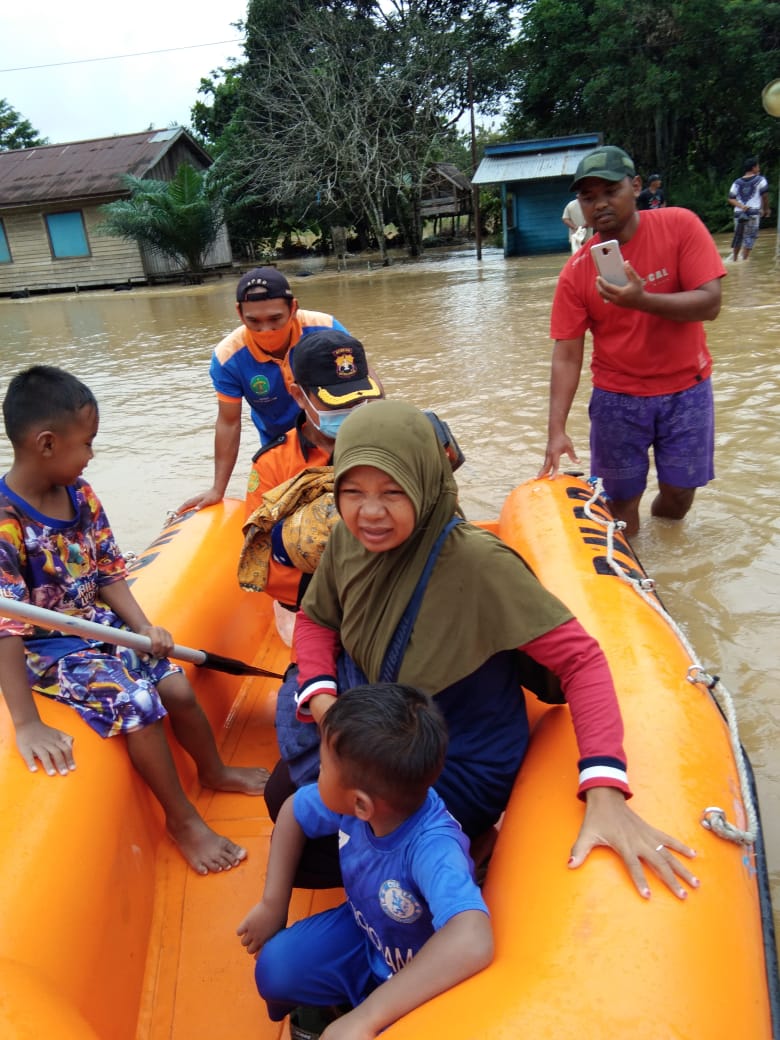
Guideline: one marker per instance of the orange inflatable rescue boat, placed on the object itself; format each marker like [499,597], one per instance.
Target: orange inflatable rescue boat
[106,934]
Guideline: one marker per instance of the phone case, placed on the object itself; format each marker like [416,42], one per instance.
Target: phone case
[609,261]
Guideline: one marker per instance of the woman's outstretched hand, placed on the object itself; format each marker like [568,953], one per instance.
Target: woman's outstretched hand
[610,822]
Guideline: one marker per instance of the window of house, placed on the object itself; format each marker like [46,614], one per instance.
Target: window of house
[5,252]
[67,234]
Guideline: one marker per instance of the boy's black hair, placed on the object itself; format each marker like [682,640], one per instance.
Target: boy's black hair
[43,396]
[390,741]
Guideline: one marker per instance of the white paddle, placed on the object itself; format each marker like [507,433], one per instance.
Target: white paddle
[66,623]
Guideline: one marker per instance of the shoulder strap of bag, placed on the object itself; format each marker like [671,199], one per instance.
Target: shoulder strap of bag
[391,665]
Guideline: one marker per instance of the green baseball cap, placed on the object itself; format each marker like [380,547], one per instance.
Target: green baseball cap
[608,162]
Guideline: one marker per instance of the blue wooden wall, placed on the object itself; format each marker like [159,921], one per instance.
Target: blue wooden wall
[534,226]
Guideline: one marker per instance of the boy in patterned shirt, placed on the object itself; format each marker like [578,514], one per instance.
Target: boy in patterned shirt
[57,551]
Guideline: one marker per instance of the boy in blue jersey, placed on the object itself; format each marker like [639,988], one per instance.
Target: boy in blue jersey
[253,364]
[414,922]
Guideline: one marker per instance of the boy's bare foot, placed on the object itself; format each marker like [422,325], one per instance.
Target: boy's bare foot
[237,780]
[206,851]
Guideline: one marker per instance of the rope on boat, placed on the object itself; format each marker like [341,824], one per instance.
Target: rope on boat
[713,818]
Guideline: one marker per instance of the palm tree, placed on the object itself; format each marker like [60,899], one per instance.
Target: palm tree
[177,218]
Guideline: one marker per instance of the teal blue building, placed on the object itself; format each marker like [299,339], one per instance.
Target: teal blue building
[535,178]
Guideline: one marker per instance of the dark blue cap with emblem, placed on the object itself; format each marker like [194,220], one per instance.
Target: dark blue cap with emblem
[333,365]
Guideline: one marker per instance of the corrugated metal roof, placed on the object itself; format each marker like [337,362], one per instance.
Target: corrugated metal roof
[538,145]
[83,169]
[501,169]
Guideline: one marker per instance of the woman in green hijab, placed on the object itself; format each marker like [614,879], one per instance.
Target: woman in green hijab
[460,633]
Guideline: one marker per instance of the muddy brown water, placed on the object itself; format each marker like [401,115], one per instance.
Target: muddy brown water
[470,340]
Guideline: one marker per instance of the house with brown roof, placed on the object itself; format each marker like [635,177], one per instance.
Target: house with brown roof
[50,199]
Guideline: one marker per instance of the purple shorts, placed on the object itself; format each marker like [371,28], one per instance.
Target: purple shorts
[114,689]
[679,427]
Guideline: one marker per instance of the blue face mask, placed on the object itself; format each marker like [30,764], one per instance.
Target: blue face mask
[329,423]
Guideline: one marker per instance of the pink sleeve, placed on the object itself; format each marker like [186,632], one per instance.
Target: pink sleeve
[579,662]
[316,652]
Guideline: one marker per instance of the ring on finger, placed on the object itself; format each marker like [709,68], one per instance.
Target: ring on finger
[658,848]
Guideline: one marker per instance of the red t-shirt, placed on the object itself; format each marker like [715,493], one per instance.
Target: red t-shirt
[634,352]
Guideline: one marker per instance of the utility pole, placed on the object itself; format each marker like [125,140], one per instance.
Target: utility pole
[474,187]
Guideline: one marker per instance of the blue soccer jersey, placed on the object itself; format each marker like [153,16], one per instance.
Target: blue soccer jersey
[404,886]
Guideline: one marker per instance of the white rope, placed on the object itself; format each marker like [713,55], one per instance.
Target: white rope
[713,818]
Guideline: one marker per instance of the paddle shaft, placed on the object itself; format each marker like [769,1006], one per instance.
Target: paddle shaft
[67,623]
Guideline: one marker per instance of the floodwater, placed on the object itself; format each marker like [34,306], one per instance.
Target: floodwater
[470,340]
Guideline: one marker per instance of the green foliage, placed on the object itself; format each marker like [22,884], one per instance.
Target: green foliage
[341,106]
[705,196]
[177,218]
[15,131]
[210,120]
[677,83]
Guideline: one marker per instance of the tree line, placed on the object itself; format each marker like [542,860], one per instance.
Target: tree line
[338,108]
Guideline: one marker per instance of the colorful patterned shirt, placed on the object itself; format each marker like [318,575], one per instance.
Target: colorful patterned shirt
[57,564]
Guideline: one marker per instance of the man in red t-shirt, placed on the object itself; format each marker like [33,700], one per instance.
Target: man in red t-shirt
[650,365]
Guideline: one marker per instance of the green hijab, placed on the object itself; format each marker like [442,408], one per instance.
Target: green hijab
[481,597]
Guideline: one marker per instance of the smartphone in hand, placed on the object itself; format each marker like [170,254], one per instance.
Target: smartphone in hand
[609,261]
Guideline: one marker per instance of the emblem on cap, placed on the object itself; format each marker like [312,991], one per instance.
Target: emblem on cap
[345,363]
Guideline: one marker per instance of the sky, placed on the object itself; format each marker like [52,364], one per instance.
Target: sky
[75,102]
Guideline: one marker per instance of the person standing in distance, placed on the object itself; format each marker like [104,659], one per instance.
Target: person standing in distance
[253,364]
[749,195]
[650,364]
[651,197]
[575,222]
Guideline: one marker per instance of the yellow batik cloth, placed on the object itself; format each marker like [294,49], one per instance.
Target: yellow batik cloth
[307,506]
